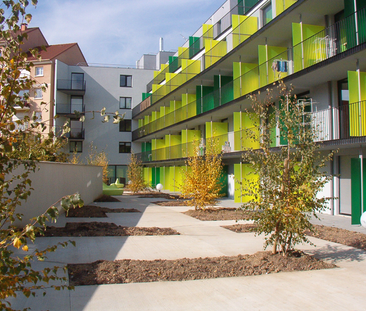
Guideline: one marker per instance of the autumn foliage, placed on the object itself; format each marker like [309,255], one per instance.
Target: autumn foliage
[201,182]
[135,174]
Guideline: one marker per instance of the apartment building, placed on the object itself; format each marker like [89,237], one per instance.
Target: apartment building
[44,74]
[202,91]
[85,91]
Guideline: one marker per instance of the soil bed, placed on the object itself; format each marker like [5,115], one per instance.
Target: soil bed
[97,211]
[332,234]
[133,271]
[106,198]
[218,214]
[83,229]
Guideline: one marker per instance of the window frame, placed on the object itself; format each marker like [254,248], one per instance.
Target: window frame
[125,102]
[39,74]
[36,94]
[123,125]
[127,82]
[124,144]
[76,142]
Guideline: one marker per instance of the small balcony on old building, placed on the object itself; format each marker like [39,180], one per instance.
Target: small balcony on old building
[74,107]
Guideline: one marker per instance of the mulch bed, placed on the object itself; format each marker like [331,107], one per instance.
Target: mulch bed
[84,229]
[133,271]
[106,198]
[332,234]
[97,211]
[224,213]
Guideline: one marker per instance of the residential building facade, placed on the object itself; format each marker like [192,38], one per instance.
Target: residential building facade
[85,91]
[245,46]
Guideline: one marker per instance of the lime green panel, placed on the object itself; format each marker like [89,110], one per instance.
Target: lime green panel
[242,171]
[148,175]
[178,177]
[243,121]
[353,84]
[243,28]
[207,30]
[214,50]
[363,85]
[282,5]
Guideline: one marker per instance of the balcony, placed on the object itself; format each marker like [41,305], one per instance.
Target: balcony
[72,87]
[331,125]
[25,107]
[69,109]
[76,133]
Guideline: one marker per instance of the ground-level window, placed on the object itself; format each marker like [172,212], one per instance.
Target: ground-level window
[76,146]
[117,171]
[125,102]
[124,147]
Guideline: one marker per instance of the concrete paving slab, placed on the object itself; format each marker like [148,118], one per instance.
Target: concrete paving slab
[334,289]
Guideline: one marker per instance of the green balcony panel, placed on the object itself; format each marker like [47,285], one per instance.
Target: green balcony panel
[356,190]
[155,176]
[225,95]
[173,63]
[245,78]
[204,98]
[244,6]
[194,46]
[266,56]
[224,181]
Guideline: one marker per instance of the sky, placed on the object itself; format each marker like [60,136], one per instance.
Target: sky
[119,32]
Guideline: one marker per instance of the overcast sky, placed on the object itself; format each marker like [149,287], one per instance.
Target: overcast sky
[118,32]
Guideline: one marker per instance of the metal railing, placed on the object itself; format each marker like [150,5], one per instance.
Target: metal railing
[71,85]
[69,108]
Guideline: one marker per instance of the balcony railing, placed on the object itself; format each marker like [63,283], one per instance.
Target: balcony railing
[69,108]
[347,121]
[75,133]
[71,86]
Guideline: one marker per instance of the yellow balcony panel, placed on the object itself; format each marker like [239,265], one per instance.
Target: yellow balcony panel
[214,50]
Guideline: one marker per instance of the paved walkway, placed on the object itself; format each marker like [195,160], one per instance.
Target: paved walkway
[336,289]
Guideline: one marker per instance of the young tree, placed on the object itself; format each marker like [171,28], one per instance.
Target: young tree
[135,174]
[20,148]
[98,158]
[284,183]
[201,181]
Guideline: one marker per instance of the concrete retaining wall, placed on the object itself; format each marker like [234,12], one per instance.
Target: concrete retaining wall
[54,180]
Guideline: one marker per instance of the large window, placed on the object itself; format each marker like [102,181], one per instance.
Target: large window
[125,102]
[125,81]
[76,103]
[77,81]
[117,171]
[125,126]
[124,147]
[76,146]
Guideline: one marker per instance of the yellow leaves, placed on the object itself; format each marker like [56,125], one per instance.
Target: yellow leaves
[25,248]
[17,243]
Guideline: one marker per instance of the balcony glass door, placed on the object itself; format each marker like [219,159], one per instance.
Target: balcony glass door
[77,81]
[76,104]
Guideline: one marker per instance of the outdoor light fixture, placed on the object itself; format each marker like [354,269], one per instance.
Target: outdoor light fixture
[159,187]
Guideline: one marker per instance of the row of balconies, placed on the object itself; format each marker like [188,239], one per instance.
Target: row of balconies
[247,78]
[347,121]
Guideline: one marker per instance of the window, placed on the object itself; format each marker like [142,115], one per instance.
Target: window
[125,102]
[39,71]
[125,126]
[267,14]
[76,146]
[117,171]
[38,93]
[76,129]
[124,147]
[125,81]
[77,81]
[76,104]
[38,116]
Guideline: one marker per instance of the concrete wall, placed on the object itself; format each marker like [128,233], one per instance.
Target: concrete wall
[54,180]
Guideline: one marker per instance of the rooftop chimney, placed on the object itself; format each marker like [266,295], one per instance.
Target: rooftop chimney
[23,27]
[161,47]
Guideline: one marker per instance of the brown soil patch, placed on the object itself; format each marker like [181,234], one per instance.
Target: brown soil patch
[218,214]
[171,203]
[83,229]
[342,236]
[132,271]
[97,211]
[332,234]
[106,198]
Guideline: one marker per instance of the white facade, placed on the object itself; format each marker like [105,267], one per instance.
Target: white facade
[98,87]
